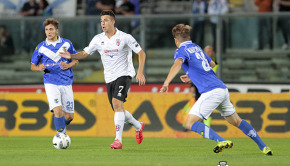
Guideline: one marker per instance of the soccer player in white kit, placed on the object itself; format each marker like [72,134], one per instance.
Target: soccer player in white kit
[214,93]
[115,48]
[58,74]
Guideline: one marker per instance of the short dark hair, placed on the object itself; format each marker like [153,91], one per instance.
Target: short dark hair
[51,21]
[108,12]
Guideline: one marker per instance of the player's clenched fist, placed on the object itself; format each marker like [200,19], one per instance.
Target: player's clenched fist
[164,89]
[185,79]
[64,65]
[41,67]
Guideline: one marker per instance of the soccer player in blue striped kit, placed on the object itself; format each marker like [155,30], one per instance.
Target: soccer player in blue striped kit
[58,74]
[214,93]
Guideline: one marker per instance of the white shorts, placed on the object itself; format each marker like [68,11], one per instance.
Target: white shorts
[60,95]
[209,101]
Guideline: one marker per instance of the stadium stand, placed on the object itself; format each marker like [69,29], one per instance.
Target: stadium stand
[240,63]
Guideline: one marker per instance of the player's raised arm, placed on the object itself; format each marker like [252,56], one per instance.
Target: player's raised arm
[140,78]
[78,56]
[172,73]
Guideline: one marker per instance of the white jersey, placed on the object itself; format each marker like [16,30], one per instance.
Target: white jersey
[116,54]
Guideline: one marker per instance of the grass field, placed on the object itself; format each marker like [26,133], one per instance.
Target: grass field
[153,151]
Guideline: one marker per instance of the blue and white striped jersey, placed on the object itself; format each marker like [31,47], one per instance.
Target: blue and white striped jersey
[48,53]
[196,66]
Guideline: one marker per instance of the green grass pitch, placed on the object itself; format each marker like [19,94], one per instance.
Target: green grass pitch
[153,151]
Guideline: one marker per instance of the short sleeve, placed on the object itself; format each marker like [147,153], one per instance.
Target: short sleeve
[36,56]
[133,44]
[208,58]
[178,55]
[72,50]
[93,46]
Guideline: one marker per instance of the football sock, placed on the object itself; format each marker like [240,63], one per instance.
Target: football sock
[129,119]
[67,122]
[207,121]
[250,131]
[59,124]
[119,119]
[206,132]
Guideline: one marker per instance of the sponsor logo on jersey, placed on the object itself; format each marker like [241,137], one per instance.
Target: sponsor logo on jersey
[111,53]
[137,45]
[102,43]
[108,51]
[118,42]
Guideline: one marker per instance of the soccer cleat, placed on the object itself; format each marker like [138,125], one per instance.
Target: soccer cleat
[139,134]
[116,145]
[222,145]
[267,151]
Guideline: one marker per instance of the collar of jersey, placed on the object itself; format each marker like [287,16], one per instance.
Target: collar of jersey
[117,32]
[185,43]
[59,40]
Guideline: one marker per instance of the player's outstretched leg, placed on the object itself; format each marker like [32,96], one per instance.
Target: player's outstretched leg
[209,133]
[138,125]
[250,131]
[119,119]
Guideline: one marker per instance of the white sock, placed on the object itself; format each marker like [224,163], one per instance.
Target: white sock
[129,119]
[119,119]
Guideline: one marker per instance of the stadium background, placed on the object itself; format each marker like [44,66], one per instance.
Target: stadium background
[258,79]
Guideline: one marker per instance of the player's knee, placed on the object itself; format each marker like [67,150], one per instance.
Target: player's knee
[70,117]
[117,106]
[57,112]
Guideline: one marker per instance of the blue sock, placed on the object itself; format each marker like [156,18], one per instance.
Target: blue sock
[250,131]
[206,132]
[59,124]
[67,122]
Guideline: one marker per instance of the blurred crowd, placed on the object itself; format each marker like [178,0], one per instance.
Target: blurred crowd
[36,8]
[135,7]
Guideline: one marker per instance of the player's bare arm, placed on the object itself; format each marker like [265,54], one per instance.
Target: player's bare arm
[212,64]
[65,66]
[36,68]
[172,73]
[140,78]
[78,56]
[185,79]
